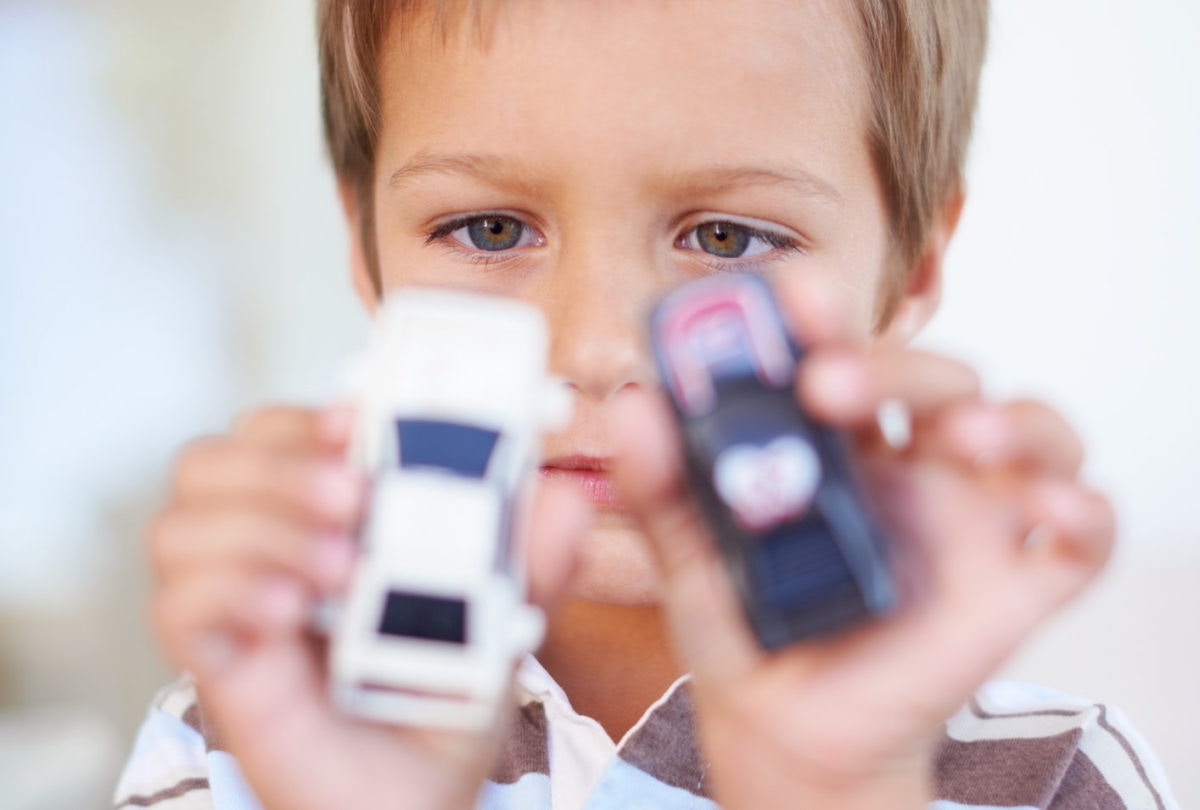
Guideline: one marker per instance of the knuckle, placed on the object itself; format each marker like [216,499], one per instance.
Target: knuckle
[969,380]
[954,427]
[959,373]
[1035,410]
[159,540]
[935,377]
[280,426]
[1105,516]
[257,421]
[193,460]
[1053,428]
[253,536]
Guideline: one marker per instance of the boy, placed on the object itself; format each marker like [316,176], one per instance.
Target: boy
[586,157]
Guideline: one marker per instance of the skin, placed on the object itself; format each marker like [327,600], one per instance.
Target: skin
[605,190]
[611,134]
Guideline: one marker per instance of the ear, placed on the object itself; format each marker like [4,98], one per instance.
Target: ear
[923,292]
[360,272]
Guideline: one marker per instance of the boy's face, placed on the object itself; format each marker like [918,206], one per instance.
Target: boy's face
[587,156]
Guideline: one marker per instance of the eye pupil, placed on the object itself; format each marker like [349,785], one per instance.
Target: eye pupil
[724,239]
[495,233]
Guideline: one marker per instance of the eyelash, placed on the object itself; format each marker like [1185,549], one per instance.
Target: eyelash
[446,228]
[781,243]
[484,258]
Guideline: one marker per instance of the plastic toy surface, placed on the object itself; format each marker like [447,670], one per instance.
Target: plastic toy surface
[452,394]
[778,489]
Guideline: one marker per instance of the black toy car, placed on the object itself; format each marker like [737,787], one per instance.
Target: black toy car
[779,491]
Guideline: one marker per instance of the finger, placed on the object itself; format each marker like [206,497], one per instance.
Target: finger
[846,388]
[284,427]
[204,620]
[815,312]
[1075,536]
[184,540]
[1024,433]
[559,519]
[223,470]
[992,589]
[708,628]
[648,471]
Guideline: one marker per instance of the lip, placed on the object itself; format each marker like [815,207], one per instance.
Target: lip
[590,474]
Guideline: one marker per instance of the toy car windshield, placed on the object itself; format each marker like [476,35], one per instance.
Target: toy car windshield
[461,449]
[724,335]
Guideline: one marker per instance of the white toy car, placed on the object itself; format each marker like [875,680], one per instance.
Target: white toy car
[452,396]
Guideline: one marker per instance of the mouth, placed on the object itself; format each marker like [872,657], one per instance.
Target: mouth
[590,474]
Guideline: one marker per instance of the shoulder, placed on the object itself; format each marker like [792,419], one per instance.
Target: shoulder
[168,767]
[1019,745]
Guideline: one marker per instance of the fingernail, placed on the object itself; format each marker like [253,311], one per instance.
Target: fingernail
[333,559]
[337,491]
[1070,505]
[335,422]
[895,423]
[838,381]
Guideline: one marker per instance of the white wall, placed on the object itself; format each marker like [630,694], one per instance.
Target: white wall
[1077,272]
[170,252]
[1076,277]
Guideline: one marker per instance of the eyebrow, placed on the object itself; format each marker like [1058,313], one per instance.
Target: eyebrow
[494,170]
[720,178]
[506,173]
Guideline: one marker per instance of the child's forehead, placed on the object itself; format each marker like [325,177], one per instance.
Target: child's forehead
[704,74]
[754,33]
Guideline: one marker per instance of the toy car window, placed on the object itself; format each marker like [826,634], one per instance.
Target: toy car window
[723,345]
[411,615]
[461,449]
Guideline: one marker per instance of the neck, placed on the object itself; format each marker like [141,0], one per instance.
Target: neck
[612,661]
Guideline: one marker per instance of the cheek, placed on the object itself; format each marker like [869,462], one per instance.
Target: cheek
[862,276]
[856,292]
[864,302]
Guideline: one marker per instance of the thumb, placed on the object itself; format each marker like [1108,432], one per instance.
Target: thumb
[710,632]
[558,519]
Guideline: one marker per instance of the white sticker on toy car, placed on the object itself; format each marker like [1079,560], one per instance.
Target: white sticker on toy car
[767,485]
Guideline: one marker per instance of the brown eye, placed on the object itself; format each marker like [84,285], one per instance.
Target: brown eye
[495,232]
[729,241]
[724,239]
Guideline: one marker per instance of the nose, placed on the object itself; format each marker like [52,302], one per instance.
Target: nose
[595,304]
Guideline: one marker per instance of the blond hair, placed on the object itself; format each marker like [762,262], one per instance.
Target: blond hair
[923,60]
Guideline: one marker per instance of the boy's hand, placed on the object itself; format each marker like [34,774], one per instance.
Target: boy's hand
[259,527]
[851,721]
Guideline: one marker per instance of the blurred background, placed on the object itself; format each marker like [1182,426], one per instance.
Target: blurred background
[171,254]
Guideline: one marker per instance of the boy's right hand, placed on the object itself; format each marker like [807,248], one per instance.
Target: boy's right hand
[258,528]
[985,504]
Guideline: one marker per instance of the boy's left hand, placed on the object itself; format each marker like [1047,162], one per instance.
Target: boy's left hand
[852,721]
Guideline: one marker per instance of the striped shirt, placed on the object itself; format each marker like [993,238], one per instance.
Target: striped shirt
[1014,746]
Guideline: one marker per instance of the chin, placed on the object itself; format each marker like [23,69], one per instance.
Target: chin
[616,566]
